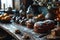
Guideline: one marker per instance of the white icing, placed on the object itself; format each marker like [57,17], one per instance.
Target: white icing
[48,21]
[40,23]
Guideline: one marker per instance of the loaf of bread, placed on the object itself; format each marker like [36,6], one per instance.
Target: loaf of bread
[43,26]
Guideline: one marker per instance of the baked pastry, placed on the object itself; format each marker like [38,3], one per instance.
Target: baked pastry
[55,34]
[43,26]
[38,27]
[50,24]
[5,14]
[1,17]
[40,17]
[6,18]
[30,23]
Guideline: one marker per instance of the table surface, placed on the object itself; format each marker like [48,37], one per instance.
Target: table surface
[10,28]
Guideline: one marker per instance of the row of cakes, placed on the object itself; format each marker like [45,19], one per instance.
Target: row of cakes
[38,23]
